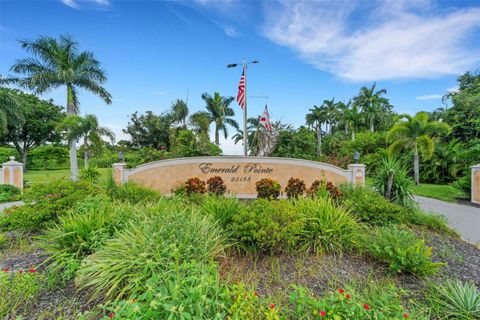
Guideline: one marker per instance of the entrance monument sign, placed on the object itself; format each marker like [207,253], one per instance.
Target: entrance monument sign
[239,173]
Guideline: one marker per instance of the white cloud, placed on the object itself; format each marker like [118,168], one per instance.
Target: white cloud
[157,93]
[429,97]
[398,39]
[76,4]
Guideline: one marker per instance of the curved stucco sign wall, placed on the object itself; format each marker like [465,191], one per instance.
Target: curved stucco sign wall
[239,173]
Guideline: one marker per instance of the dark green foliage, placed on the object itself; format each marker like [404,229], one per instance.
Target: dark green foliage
[295,188]
[48,157]
[268,189]
[150,130]
[9,193]
[296,143]
[268,226]
[45,203]
[401,250]
[133,193]
[216,186]
[392,182]
[186,143]
[370,207]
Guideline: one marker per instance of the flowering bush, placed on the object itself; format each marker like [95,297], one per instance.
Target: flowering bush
[195,186]
[216,186]
[268,189]
[324,188]
[348,304]
[295,188]
[17,289]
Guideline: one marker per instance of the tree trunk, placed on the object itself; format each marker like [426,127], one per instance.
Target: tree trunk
[71,142]
[372,126]
[217,137]
[24,159]
[353,134]
[416,165]
[319,141]
[388,192]
[85,152]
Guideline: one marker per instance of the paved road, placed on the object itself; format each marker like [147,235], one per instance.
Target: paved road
[464,219]
[10,204]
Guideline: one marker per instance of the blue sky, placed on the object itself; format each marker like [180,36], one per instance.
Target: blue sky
[158,51]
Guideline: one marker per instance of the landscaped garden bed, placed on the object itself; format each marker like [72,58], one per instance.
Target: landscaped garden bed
[89,251]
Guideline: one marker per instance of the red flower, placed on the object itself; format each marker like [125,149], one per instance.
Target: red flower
[5,269]
[348,296]
[405,315]
[255,293]
[323,313]
[272,306]
[111,315]
[20,271]
[341,291]
[366,307]
[33,270]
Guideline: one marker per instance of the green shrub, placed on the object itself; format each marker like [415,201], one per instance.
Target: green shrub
[401,250]
[295,188]
[327,227]
[216,186]
[195,186]
[455,300]
[193,291]
[268,226]
[133,193]
[433,222]
[45,203]
[9,193]
[370,207]
[90,174]
[3,239]
[222,209]
[321,188]
[17,291]
[79,233]
[268,189]
[166,234]
[464,183]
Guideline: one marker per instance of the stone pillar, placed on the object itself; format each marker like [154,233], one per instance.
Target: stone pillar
[12,172]
[358,174]
[475,184]
[119,173]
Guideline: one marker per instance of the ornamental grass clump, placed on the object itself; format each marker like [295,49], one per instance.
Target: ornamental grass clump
[222,209]
[268,189]
[216,186]
[149,246]
[295,188]
[454,299]
[400,250]
[327,227]
[134,193]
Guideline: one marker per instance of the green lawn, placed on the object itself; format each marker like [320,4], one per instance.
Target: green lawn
[36,176]
[438,191]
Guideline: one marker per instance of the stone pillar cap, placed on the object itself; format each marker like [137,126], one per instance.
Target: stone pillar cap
[12,161]
[475,166]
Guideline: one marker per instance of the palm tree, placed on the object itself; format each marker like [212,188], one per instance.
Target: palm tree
[86,128]
[332,114]
[220,113]
[9,108]
[315,119]
[58,63]
[254,132]
[351,117]
[416,132]
[180,112]
[372,104]
[200,122]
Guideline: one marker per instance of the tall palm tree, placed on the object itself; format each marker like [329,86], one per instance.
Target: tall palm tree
[9,108]
[200,122]
[220,113]
[351,118]
[372,104]
[416,132]
[332,114]
[180,112]
[58,63]
[315,118]
[254,132]
[88,129]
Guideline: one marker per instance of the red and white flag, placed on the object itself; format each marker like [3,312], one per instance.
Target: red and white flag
[241,91]
[265,120]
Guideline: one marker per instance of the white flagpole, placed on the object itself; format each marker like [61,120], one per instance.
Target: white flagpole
[245,136]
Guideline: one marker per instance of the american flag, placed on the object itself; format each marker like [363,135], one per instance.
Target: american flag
[241,91]
[265,120]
